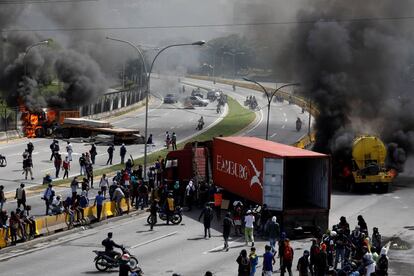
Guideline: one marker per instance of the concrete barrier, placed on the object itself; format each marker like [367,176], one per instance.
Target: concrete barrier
[41,228]
[56,223]
[4,234]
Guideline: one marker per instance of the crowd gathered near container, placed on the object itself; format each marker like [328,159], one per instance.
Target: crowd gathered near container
[337,251]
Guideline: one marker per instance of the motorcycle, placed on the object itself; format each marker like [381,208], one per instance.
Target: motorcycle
[200,126]
[103,262]
[3,161]
[218,110]
[176,217]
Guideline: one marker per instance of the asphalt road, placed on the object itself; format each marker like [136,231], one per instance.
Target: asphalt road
[183,249]
[161,118]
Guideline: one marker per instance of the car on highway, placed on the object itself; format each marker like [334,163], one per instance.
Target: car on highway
[213,94]
[197,92]
[197,101]
[170,99]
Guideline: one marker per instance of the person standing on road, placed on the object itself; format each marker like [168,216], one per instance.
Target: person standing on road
[303,264]
[117,197]
[48,197]
[153,213]
[268,261]
[74,185]
[272,229]
[66,167]
[30,148]
[93,152]
[207,215]
[254,260]
[248,227]
[82,163]
[287,259]
[2,198]
[104,184]
[52,149]
[58,164]
[167,140]
[227,224]
[27,166]
[89,173]
[110,151]
[21,196]
[99,199]
[69,150]
[189,194]
[376,240]
[170,207]
[244,264]
[174,141]
[122,153]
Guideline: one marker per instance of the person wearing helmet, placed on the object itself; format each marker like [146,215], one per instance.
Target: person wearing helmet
[109,245]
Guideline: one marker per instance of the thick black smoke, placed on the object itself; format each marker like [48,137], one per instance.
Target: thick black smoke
[356,71]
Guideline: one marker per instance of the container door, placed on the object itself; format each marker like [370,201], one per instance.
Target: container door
[273,183]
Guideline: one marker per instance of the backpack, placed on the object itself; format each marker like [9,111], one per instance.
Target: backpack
[288,253]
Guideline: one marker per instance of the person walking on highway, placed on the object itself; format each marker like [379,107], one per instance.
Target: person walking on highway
[99,199]
[53,148]
[104,184]
[227,224]
[122,153]
[82,163]
[110,151]
[48,197]
[207,215]
[189,194]
[287,259]
[93,152]
[66,167]
[58,164]
[27,167]
[153,213]
[272,229]
[69,150]
[30,148]
[244,264]
[20,196]
[174,141]
[248,227]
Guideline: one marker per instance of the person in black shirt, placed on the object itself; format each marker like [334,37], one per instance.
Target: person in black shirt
[303,264]
[109,245]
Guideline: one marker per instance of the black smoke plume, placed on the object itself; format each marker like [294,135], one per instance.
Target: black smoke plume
[354,60]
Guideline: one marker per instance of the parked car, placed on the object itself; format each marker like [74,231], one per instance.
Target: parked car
[196,100]
[170,98]
[197,92]
[213,94]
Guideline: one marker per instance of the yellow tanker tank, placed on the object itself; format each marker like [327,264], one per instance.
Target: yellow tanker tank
[368,158]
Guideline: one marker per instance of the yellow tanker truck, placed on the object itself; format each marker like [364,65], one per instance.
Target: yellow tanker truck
[368,163]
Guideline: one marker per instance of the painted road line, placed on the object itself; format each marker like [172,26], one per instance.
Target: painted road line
[273,135]
[285,119]
[283,126]
[284,114]
[155,239]
[221,246]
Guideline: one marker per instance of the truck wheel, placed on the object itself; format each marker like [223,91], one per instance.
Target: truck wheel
[384,188]
[40,133]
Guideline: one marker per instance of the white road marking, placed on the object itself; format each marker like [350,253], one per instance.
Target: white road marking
[153,240]
[284,114]
[283,126]
[273,135]
[285,119]
[221,246]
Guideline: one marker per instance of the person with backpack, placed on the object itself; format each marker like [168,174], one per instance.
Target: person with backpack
[122,153]
[110,151]
[244,264]
[66,167]
[207,215]
[287,259]
[381,268]
[254,260]
[303,264]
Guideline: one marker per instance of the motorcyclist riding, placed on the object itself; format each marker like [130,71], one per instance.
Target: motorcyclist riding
[109,245]
[200,123]
[298,124]
[218,108]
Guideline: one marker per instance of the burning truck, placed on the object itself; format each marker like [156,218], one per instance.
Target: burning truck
[49,122]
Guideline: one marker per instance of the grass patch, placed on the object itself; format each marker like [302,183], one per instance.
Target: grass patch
[236,120]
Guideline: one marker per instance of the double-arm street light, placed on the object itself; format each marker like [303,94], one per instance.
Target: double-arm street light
[269,99]
[148,86]
[43,42]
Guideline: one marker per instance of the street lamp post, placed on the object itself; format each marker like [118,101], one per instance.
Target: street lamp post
[269,99]
[148,86]
[44,42]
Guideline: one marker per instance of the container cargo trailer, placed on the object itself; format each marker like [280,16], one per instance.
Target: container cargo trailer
[294,183]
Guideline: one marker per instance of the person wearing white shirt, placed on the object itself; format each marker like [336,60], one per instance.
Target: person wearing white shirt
[248,227]
[69,150]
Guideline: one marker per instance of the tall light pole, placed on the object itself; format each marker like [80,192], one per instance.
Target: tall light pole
[148,86]
[234,60]
[43,42]
[269,99]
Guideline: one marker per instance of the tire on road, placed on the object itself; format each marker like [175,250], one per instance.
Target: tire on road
[176,219]
[101,264]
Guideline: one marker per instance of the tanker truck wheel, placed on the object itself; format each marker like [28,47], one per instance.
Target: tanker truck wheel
[384,188]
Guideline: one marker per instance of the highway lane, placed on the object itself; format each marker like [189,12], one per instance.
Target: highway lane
[161,118]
